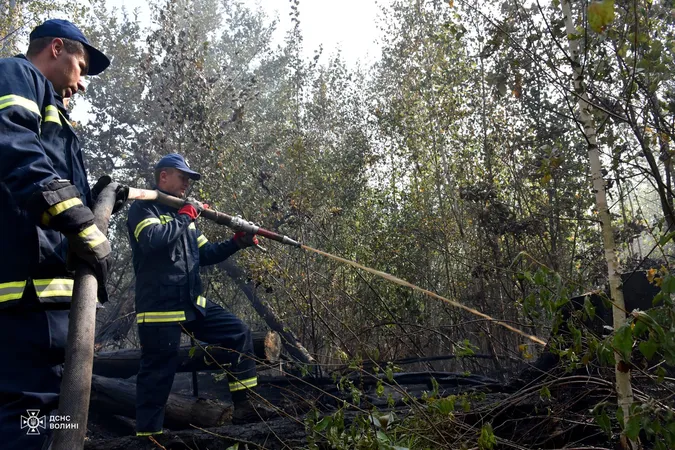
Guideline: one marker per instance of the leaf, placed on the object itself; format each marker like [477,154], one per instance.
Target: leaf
[623,342]
[389,371]
[660,374]
[589,308]
[487,439]
[648,348]
[663,241]
[464,349]
[668,284]
[233,447]
[600,15]
[446,406]
[632,428]
[323,424]
[603,422]
[619,417]
[545,393]
[382,437]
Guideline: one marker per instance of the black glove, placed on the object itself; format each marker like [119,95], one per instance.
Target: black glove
[121,193]
[91,246]
[121,197]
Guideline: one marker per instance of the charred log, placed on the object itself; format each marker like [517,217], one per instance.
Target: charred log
[125,363]
[118,397]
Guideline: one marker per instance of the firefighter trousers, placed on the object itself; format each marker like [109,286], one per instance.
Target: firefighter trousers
[32,352]
[159,360]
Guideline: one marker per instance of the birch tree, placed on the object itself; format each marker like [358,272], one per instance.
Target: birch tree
[585,119]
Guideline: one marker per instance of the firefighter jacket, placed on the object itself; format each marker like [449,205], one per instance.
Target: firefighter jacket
[38,149]
[168,250]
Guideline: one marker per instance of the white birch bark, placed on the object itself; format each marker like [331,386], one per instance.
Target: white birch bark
[624,389]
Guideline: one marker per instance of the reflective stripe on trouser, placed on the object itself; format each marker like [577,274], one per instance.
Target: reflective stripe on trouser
[240,385]
[159,359]
[160,316]
[149,433]
[222,328]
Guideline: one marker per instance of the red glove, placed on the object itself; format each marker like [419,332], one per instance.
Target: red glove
[191,208]
[245,240]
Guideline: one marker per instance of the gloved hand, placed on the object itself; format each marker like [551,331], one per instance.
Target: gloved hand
[91,245]
[191,208]
[58,206]
[121,197]
[245,240]
[121,192]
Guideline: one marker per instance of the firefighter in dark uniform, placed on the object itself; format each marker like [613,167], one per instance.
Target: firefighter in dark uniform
[168,250]
[44,213]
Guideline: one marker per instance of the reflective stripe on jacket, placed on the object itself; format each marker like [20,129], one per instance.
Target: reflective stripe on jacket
[168,250]
[38,145]
[50,290]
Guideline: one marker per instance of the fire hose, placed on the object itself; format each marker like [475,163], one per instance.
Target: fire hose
[76,383]
[233,222]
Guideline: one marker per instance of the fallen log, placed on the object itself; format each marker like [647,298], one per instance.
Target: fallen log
[118,397]
[125,363]
[273,434]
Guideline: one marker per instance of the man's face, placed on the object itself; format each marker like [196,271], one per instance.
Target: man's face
[67,70]
[174,182]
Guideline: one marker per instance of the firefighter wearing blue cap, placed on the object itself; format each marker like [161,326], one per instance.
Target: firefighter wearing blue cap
[168,250]
[44,205]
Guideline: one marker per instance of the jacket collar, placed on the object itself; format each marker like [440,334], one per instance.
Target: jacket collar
[58,98]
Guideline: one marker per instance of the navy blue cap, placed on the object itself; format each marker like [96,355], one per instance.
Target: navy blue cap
[177,162]
[58,28]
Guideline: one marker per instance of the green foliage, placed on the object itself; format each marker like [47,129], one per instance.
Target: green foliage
[600,15]
[487,439]
[623,342]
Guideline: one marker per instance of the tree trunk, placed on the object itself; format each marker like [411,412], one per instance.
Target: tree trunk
[289,339]
[125,363]
[118,397]
[624,389]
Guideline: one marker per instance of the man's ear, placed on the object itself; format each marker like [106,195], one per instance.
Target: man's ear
[57,47]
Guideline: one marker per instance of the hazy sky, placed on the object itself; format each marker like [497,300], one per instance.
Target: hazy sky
[350,25]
